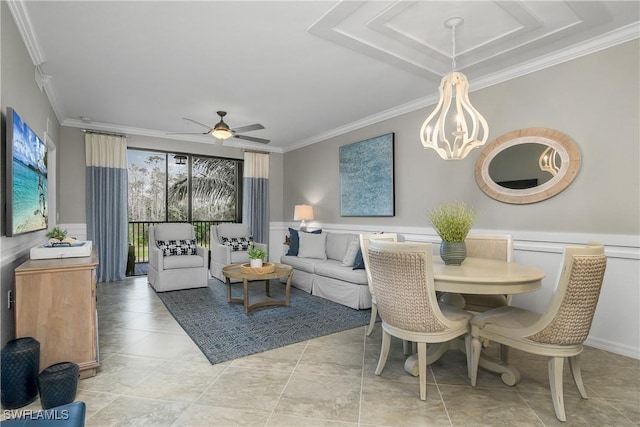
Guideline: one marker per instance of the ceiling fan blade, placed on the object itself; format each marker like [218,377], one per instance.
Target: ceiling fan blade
[187,133]
[197,122]
[252,139]
[248,128]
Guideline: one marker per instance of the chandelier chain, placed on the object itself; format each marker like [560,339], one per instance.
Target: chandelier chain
[453,41]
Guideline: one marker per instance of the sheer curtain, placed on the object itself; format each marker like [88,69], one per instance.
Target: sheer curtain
[107,203]
[255,203]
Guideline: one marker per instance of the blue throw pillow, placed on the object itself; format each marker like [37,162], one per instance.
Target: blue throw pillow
[359,262]
[294,240]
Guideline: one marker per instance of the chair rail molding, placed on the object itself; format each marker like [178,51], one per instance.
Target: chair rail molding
[620,299]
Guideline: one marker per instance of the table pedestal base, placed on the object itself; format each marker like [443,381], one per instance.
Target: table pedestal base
[509,374]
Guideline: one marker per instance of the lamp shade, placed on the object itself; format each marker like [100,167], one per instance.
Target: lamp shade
[303,213]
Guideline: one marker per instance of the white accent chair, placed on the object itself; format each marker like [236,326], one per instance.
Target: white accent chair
[402,275]
[558,333]
[364,248]
[223,255]
[170,273]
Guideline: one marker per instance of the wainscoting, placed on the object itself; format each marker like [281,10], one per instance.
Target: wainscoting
[616,325]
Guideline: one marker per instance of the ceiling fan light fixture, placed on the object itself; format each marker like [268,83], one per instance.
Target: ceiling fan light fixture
[221,133]
[221,129]
[465,124]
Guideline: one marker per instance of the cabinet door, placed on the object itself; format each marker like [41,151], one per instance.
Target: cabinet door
[57,308]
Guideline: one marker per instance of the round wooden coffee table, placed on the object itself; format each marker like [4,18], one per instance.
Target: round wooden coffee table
[235,271]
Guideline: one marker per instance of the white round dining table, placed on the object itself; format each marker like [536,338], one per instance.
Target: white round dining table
[485,277]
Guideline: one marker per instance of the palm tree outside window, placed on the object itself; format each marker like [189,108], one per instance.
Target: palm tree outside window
[166,187]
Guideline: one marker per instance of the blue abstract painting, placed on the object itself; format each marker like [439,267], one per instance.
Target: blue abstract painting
[366,177]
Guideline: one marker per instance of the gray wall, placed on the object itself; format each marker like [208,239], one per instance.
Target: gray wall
[18,90]
[593,99]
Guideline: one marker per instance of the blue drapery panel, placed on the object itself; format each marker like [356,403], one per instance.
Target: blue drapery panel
[107,203]
[255,199]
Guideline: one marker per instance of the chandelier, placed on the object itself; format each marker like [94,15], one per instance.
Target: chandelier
[467,127]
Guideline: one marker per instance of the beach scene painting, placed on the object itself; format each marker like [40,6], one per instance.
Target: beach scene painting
[28,186]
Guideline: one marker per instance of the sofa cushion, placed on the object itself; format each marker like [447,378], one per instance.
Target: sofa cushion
[237,243]
[349,258]
[337,244]
[313,245]
[303,264]
[187,261]
[294,240]
[335,270]
[177,247]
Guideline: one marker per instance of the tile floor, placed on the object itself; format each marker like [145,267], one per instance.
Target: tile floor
[152,374]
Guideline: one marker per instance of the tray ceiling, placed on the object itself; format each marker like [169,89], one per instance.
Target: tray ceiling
[305,70]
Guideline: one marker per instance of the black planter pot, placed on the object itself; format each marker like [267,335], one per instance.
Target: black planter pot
[58,384]
[19,366]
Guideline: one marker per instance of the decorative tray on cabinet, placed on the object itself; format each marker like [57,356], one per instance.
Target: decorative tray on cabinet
[81,249]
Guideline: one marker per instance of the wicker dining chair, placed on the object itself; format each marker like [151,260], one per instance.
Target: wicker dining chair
[558,333]
[364,245]
[402,276]
[488,246]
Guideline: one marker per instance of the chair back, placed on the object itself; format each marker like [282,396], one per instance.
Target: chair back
[568,319]
[364,248]
[229,230]
[171,231]
[402,275]
[490,246]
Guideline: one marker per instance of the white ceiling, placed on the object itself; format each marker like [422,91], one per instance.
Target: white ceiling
[306,70]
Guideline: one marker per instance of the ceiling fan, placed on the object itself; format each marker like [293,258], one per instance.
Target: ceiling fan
[222,131]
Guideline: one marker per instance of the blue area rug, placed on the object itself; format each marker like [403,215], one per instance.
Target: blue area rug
[223,332]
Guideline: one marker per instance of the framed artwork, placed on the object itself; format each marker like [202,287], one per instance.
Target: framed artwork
[366,177]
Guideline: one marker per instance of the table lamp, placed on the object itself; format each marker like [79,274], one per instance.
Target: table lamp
[303,213]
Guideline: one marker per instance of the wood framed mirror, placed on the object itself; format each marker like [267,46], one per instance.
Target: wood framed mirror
[527,165]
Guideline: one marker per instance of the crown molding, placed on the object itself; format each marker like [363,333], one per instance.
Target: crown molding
[613,38]
[30,39]
[24,25]
[129,130]
[23,22]
[54,100]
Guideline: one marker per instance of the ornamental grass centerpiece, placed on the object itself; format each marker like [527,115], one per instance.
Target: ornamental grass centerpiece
[452,221]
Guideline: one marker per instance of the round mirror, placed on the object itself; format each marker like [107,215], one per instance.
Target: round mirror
[527,165]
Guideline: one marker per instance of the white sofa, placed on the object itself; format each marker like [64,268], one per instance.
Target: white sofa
[329,278]
[225,253]
[173,272]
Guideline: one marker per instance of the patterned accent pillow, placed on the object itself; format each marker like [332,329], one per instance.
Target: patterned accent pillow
[238,243]
[177,247]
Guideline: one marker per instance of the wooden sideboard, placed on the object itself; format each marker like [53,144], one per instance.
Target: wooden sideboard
[56,305]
